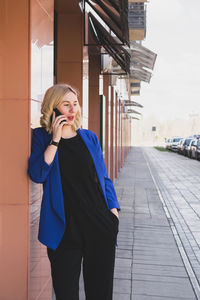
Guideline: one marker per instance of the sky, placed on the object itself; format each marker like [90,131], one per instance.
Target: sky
[173,33]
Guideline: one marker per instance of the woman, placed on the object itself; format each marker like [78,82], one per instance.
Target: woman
[79,211]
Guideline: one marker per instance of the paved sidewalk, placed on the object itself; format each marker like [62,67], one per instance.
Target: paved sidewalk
[178,180]
[148,263]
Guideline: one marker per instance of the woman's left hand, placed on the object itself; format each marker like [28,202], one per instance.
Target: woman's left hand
[115,212]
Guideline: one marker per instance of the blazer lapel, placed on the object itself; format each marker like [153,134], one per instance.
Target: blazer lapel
[92,149]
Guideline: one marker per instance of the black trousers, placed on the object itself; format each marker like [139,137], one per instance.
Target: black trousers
[84,243]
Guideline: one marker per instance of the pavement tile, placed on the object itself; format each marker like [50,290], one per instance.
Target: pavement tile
[121,253]
[159,278]
[142,297]
[165,289]
[122,286]
[160,270]
[121,296]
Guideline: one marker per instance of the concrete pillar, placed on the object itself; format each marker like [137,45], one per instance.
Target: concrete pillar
[70,47]
[111,135]
[94,98]
[14,150]
[105,92]
[41,78]
[119,137]
[116,134]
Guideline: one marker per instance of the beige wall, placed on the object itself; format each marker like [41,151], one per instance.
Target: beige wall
[136,34]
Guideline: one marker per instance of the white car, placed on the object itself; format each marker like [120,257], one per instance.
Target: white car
[168,143]
[174,143]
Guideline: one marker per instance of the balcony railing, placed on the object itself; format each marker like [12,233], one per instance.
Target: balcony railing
[136,15]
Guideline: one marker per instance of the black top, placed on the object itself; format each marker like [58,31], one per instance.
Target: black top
[81,189]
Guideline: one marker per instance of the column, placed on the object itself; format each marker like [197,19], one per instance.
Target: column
[94,98]
[14,150]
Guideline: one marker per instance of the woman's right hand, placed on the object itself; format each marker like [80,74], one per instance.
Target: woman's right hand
[57,126]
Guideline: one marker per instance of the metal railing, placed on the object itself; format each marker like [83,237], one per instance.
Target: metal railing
[137,15]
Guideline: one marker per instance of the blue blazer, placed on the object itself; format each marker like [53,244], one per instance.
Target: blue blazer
[52,215]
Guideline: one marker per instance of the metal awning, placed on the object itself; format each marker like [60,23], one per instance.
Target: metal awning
[132,111]
[141,60]
[134,118]
[140,74]
[103,38]
[141,55]
[113,14]
[132,103]
[137,104]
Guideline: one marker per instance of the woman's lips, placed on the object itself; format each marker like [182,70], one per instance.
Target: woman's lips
[70,118]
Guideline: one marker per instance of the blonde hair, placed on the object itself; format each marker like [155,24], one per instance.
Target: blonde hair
[52,99]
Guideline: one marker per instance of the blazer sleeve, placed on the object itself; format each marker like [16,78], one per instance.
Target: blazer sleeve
[109,187]
[38,169]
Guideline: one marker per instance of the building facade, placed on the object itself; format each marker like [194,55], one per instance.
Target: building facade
[43,42]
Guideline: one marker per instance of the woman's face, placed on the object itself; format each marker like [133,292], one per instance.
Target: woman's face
[69,106]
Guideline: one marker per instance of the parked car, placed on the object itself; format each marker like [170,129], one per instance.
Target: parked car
[174,143]
[180,145]
[188,151]
[185,146]
[168,143]
[198,150]
[196,136]
[193,148]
